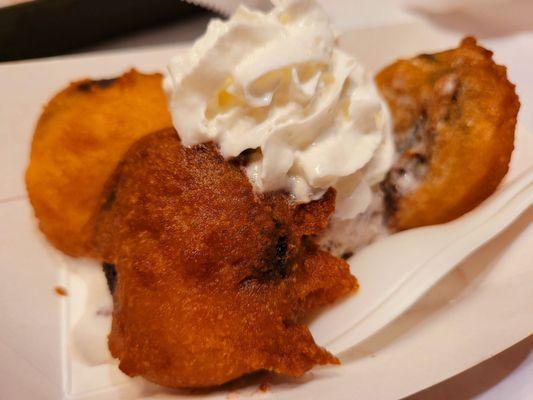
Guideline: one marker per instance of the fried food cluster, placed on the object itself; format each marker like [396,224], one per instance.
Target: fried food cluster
[212,280]
[454,118]
[80,137]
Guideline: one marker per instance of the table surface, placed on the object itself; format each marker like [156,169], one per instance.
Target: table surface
[507,375]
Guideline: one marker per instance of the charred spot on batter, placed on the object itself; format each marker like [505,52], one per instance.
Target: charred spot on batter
[110,275]
[347,255]
[110,194]
[280,263]
[428,57]
[99,83]
[110,199]
[276,261]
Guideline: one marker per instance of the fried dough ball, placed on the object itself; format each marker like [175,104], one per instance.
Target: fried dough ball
[80,137]
[212,280]
[454,118]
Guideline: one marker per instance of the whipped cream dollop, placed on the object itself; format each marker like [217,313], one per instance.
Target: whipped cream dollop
[277,84]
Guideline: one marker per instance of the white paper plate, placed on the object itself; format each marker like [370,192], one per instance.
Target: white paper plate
[482,308]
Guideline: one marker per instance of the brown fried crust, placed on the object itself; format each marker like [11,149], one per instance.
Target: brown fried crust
[212,280]
[81,135]
[465,108]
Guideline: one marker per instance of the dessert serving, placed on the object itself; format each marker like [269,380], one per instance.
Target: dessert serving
[224,199]
[454,117]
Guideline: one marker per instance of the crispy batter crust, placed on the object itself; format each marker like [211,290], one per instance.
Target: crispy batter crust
[454,118]
[212,280]
[81,135]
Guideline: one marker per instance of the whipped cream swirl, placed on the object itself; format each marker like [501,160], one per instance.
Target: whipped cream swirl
[277,83]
